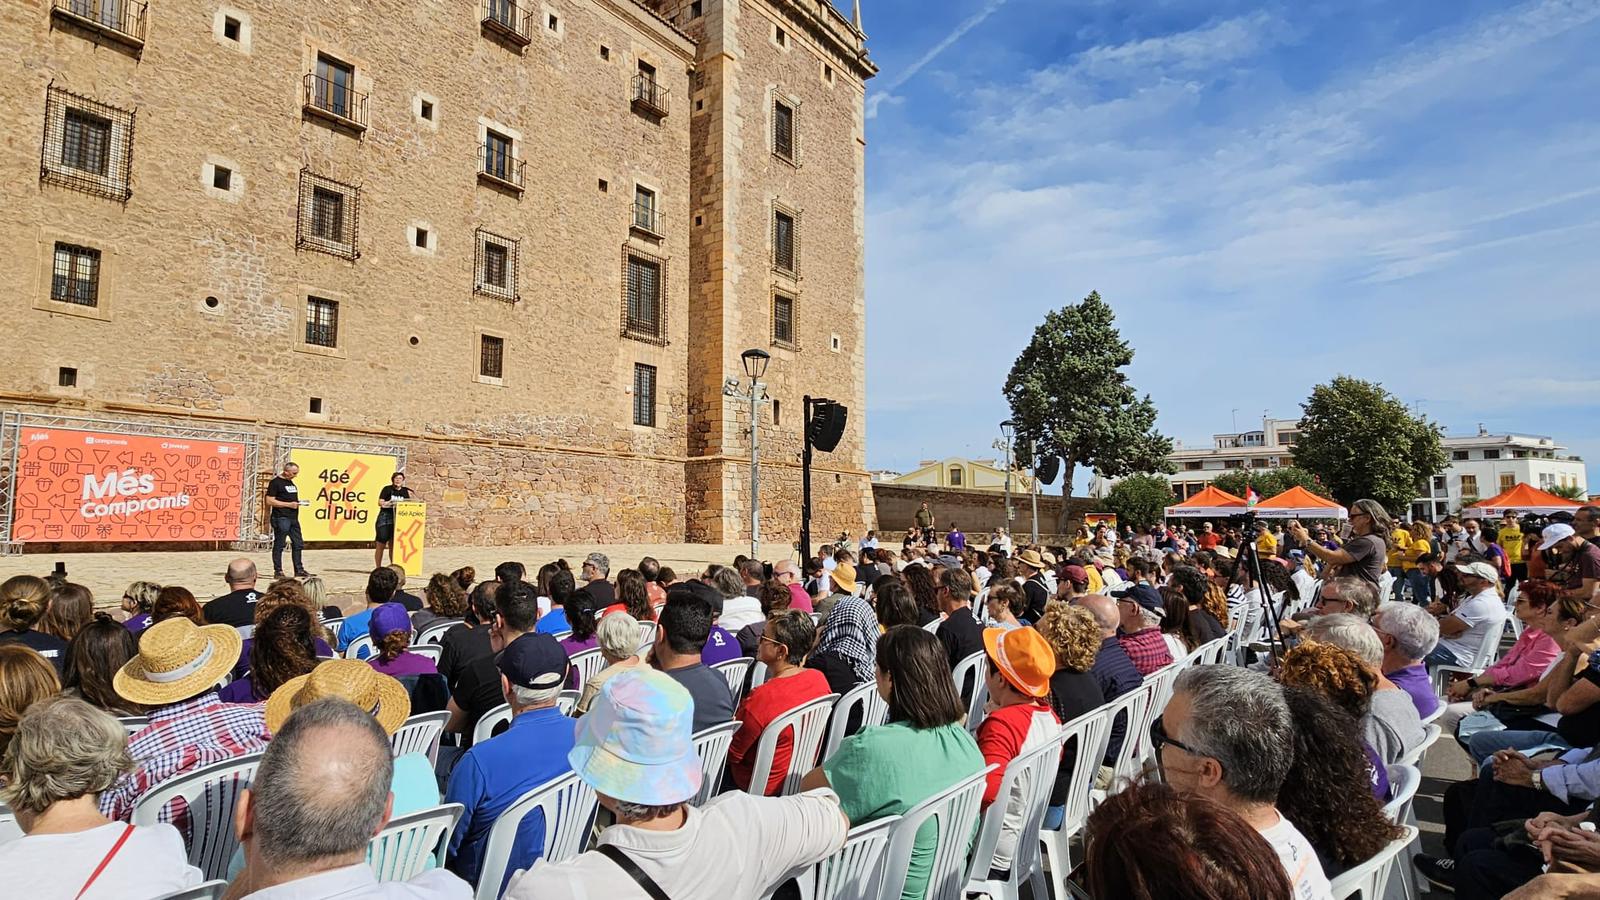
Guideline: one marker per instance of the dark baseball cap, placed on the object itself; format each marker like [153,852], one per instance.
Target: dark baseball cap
[534,661]
[1143,594]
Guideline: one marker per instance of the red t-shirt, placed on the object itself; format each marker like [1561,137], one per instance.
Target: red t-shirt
[1208,541]
[765,704]
[1003,736]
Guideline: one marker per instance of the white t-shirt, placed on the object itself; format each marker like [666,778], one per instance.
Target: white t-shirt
[1482,611]
[1306,880]
[736,846]
[151,863]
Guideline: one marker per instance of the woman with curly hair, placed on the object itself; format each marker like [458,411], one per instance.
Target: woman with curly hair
[94,655]
[464,578]
[443,598]
[280,648]
[71,608]
[282,592]
[1074,635]
[1323,792]
[920,580]
[1337,674]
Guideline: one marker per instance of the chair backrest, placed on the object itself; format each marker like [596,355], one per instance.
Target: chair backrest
[431,651]
[1403,783]
[807,724]
[421,734]
[332,625]
[954,811]
[1032,774]
[134,724]
[9,829]
[1162,681]
[647,637]
[1133,705]
[210,890]
[568,806]
[735,670]
[1212,652]
[933,626]
[360,643]
[433,632]
[863,697]
[210,793]
[1490,647]
[1369,878]
[485,728]
[1086,738]
[854,871]
[567,701]
[758,674]
[1430,733]
[712,746]
[401,850]
[970,676]
[588,663]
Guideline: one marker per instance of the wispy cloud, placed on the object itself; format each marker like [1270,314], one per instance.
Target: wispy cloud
[886,93]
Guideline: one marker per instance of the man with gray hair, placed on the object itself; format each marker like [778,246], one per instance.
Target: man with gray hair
[1391,727]
[1408,634]
[320,795]
[596,572]
[1227,734]
[1345,594]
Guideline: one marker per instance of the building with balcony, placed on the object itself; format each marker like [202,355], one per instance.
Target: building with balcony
[523,241]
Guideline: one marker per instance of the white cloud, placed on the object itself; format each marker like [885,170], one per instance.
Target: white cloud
[885,94]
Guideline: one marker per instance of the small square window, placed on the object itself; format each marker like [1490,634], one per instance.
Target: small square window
[66,376]
[696,9]
[221,178]
[422,237]
[230,28]
[833,343]
[605,52]
[699,220]
[491,356]
[781,36]
[315,407]
[699,105]
[604,186]
[552,22]
[427,110]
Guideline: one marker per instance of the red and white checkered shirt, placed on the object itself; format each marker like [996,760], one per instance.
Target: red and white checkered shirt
[181,738]
[1147,648]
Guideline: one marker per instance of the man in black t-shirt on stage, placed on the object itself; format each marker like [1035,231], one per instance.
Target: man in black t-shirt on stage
[395,490]
[283,510]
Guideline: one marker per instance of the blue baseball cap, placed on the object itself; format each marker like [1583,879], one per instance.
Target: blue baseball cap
[534,661]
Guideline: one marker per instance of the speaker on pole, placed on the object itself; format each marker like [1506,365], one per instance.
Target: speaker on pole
[827,424]
[1045,469]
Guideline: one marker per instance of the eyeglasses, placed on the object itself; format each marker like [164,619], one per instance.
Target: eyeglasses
[1324,601]
[784,574]
[766,640]
[1159,738]
[1358,512]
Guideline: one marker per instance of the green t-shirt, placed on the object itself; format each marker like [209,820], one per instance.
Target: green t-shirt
[886,770]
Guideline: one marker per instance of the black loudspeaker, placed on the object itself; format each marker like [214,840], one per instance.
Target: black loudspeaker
[827,424]
[1045,469]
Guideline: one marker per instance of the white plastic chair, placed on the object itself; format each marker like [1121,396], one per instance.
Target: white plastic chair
[1093,732]
[807,725]
[1159,684]
[1368,879]
[134,724]
[332,626]
[758,674]
[955,814]
[588,664]
[973,670]
[485,728]
[210,792]
[712,746]
[1134,705]
[853,872]
[567,701]
[1211,653]
[360,643]
[431,651]
[933,626]
[1430,734]
[864,697]
[9,829]
[1033,774]
[401,850]
[647,637]
[1403,783]
[420,734]
[568,806]
[1482,659]
[735,670]
[210,890]
[433,632]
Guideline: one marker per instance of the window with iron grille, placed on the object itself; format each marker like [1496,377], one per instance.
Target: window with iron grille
[76,278]
[495,273]
[328,220]
[88,145]
[644,395]
[783,130]
[322,322]
[491,356]
[783,321]
[644,315]
[785,256]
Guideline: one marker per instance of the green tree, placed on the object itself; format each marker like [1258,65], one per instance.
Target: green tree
[1269,482]
[1139,500]
[1569,491]
[1361,441]
[1070,398]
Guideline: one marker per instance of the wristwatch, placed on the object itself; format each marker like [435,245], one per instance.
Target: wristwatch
[1472,683]
[1538,780]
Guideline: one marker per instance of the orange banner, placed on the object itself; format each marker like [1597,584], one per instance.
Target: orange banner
[98,486]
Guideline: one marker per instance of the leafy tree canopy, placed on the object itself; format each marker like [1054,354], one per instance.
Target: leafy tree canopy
[1361,441]
[1139,500]
[1269,482]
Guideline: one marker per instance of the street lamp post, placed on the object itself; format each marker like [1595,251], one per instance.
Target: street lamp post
[1007,428]
[755,366]
[1033,489]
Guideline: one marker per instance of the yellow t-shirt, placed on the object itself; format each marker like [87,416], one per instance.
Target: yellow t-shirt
[1402,540]
[1416,548]
[1096,583]
[1510,540]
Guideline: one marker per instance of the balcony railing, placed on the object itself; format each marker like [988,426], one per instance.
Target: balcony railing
[337,101]
[508,21]
[647,218]
[649,96]
[497,166]
[121,20]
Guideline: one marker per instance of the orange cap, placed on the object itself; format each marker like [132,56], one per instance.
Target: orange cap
[1023,657]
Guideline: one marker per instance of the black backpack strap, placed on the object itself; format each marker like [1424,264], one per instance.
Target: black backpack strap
[626,864]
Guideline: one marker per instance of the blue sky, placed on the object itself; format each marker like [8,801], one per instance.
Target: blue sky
[1268,194]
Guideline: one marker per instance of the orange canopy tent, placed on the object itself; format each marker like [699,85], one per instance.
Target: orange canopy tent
[1212,502]
[1522,497]
[1299,503]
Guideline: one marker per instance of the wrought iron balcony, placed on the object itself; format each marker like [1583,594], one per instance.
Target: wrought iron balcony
[336,101]
[497,166]
[649,96]
[508,21]
[120,20]
[647,218]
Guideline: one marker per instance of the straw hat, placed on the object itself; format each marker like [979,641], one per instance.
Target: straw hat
[1030,557]
[342,679]
[178,660]
[844,575]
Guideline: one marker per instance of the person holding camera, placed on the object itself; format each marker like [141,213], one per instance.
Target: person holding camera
[1365,554]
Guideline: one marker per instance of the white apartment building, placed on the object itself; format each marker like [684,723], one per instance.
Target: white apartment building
[1481,465]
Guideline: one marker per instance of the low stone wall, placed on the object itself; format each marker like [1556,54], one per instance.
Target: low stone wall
[977,512]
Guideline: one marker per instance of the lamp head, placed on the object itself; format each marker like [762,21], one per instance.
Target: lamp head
[1007,427]
[755,362]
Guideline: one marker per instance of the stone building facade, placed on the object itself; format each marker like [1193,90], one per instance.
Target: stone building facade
[525,242]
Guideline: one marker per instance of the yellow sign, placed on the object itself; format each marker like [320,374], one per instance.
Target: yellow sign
[410,532]
[342,489]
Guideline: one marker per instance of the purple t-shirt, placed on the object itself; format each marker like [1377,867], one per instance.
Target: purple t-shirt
[573,648]
[242,690]
[720,647]
[1414,681]
[407,663]
[1380,775]
[957,541]
[138,623]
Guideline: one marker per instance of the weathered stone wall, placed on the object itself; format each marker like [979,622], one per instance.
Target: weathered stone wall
[977,512]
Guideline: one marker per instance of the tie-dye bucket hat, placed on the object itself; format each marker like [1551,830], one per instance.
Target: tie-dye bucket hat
[636,744]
